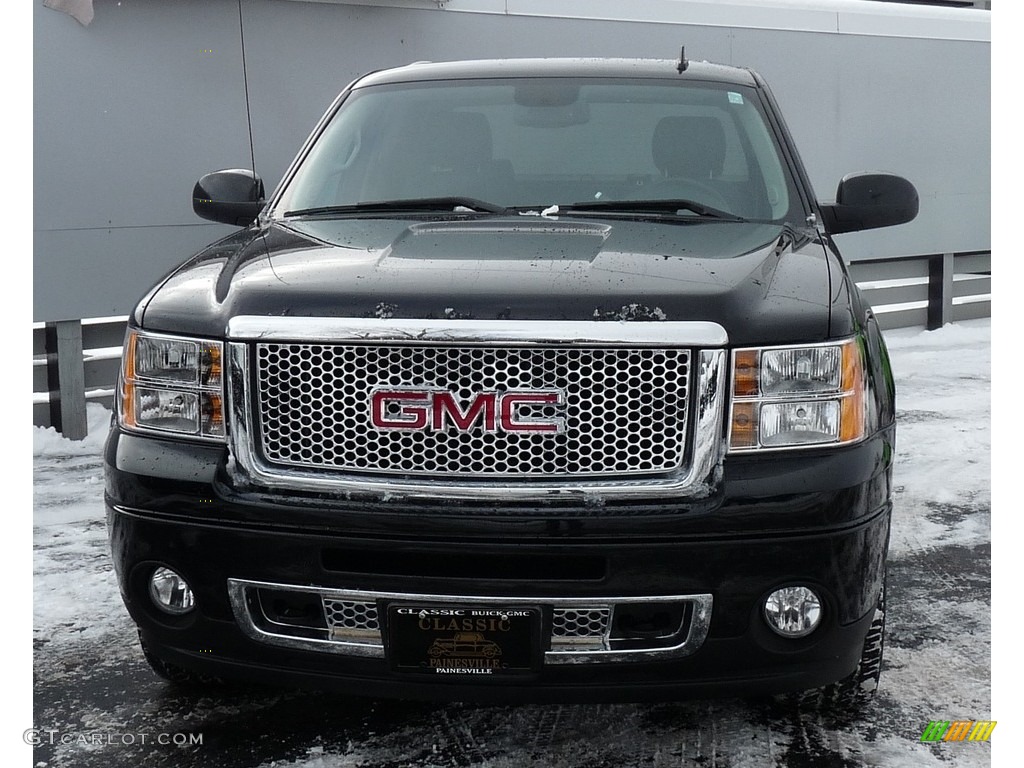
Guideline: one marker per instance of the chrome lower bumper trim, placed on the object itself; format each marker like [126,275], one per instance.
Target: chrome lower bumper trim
[686,641]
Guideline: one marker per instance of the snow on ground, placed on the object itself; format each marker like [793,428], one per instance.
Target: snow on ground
[90,676]
[70,539]
[943,442]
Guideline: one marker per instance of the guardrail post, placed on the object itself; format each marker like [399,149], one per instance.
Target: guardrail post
[65,378]
[940,291]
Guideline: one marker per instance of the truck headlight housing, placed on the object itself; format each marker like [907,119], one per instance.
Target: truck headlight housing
[172,385]
[798,396]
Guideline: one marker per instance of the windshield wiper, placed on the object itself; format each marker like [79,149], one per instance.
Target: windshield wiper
[671,207]
[414,205]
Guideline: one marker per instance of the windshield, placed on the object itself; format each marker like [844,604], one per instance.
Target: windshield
[489,145]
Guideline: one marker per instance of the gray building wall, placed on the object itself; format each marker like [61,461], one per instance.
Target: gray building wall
[132,109]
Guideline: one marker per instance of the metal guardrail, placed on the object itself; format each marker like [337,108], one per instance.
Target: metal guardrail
[76,361]
[928,291]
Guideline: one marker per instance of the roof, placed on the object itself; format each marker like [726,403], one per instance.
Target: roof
[596,68]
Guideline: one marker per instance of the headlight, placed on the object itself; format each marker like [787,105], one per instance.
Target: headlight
[789,397]
[173,385]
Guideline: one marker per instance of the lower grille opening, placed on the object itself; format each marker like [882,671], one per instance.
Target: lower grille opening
[295,609]
[291,612]
[644,625]
[645,621]
[475,566]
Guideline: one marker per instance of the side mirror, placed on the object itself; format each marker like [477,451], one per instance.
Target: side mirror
[869,201]
[232,196]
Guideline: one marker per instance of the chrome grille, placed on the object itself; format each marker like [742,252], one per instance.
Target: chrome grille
[625,408]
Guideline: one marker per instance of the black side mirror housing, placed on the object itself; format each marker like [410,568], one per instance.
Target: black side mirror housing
[234,196]
[870,201]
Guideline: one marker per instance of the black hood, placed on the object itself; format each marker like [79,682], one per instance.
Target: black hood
[759,281]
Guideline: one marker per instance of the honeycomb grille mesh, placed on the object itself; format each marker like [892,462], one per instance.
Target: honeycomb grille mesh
[580,622]
[624,410]
[347,614]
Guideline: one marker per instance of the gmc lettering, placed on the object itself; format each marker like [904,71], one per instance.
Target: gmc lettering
[439,411]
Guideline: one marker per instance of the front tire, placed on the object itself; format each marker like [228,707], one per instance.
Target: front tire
[856,690]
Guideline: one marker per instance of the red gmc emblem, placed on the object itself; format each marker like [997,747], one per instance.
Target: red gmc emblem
[437,410]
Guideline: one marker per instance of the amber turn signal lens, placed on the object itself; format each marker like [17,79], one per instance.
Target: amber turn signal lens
[852,416]
[745,373]
[744,425]
[126,404]
[211,373]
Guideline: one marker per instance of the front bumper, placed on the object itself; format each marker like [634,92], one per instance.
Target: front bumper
[821,520]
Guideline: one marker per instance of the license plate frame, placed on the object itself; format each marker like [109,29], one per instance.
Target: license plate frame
[464,641]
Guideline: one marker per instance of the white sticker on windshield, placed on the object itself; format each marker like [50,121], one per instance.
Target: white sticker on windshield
[735,98]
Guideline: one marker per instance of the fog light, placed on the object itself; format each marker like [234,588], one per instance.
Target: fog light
[792,611]
[170,592]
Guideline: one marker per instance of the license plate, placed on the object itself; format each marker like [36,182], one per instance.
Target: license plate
[464,640]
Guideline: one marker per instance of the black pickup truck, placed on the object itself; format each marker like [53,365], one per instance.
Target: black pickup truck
[559,355]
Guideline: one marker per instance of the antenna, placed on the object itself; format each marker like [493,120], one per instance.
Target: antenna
[245,80]
[683,63]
